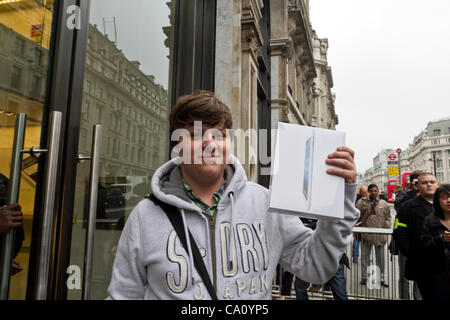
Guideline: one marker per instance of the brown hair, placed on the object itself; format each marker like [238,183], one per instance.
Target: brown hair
[202,106]
[445,190]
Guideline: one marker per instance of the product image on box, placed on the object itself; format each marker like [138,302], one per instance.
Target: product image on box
[307,169]
[299,183]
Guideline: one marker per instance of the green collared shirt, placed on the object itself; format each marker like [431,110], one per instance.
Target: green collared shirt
[209,210]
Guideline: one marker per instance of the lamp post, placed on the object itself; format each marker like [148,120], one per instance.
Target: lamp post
[433,159]
[434,162]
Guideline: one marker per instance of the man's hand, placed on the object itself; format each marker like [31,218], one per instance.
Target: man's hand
[343,158]
[10,217]
[15,267]
[445,236]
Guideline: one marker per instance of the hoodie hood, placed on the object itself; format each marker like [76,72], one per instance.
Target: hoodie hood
[167,185]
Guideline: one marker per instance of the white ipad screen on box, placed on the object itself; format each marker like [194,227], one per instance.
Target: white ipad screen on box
[300,183]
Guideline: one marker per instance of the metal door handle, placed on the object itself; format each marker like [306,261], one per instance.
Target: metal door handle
[48,207]
[93,195]
[13,195]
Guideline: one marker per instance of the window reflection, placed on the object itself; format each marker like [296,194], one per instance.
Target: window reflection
[126,90]
[25,28]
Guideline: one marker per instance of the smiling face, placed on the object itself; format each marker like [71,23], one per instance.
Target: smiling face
[198,126]
[205,151]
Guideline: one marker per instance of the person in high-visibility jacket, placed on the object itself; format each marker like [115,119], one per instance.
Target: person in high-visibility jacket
[408,229]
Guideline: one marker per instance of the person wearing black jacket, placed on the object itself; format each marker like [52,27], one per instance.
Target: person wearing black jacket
[402,197]
[436,241]
[408,229]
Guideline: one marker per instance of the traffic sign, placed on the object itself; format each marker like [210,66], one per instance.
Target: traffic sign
[392,157]
[393,171]
[398,150]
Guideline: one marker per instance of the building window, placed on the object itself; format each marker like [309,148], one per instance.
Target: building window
[19,46]
[36,86]
[128,129]
[119,124]
[116,149]
[16,77]
[87,86]
[85,110]
[127,149]
[440,176]
[37,56]
[108,146]
[98,114]
[100,93]
[83,138]
[439,164]
[133,134]
[437,132]
[112,121]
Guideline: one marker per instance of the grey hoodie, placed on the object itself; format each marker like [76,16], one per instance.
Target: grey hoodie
[151,263]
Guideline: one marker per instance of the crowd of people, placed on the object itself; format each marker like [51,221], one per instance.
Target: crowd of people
[236,242]
[421,240]
[422,236]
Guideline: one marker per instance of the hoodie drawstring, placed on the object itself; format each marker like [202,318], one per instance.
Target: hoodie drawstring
[230,260]
[188,241]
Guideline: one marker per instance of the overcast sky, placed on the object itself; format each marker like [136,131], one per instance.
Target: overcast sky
[390,62]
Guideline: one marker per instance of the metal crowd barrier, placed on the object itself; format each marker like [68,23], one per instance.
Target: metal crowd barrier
[397,289]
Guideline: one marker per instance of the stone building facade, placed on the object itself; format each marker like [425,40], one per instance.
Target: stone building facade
[23,66]
[272,38]
[429,151]
[132,108]
[377,174]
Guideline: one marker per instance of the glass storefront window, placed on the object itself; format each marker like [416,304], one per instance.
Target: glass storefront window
[127,65]
[25,28]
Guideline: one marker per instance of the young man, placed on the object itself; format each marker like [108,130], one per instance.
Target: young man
[402,197]
[240,240]
[408,230]
[375,213]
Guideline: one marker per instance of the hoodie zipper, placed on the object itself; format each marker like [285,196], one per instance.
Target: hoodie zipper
[212,222]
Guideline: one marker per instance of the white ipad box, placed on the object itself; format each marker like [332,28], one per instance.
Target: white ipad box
[300,184]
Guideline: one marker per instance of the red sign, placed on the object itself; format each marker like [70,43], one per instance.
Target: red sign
[399,150]
[392,157]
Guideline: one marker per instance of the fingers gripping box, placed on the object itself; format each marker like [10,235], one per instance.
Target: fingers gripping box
[300,184]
